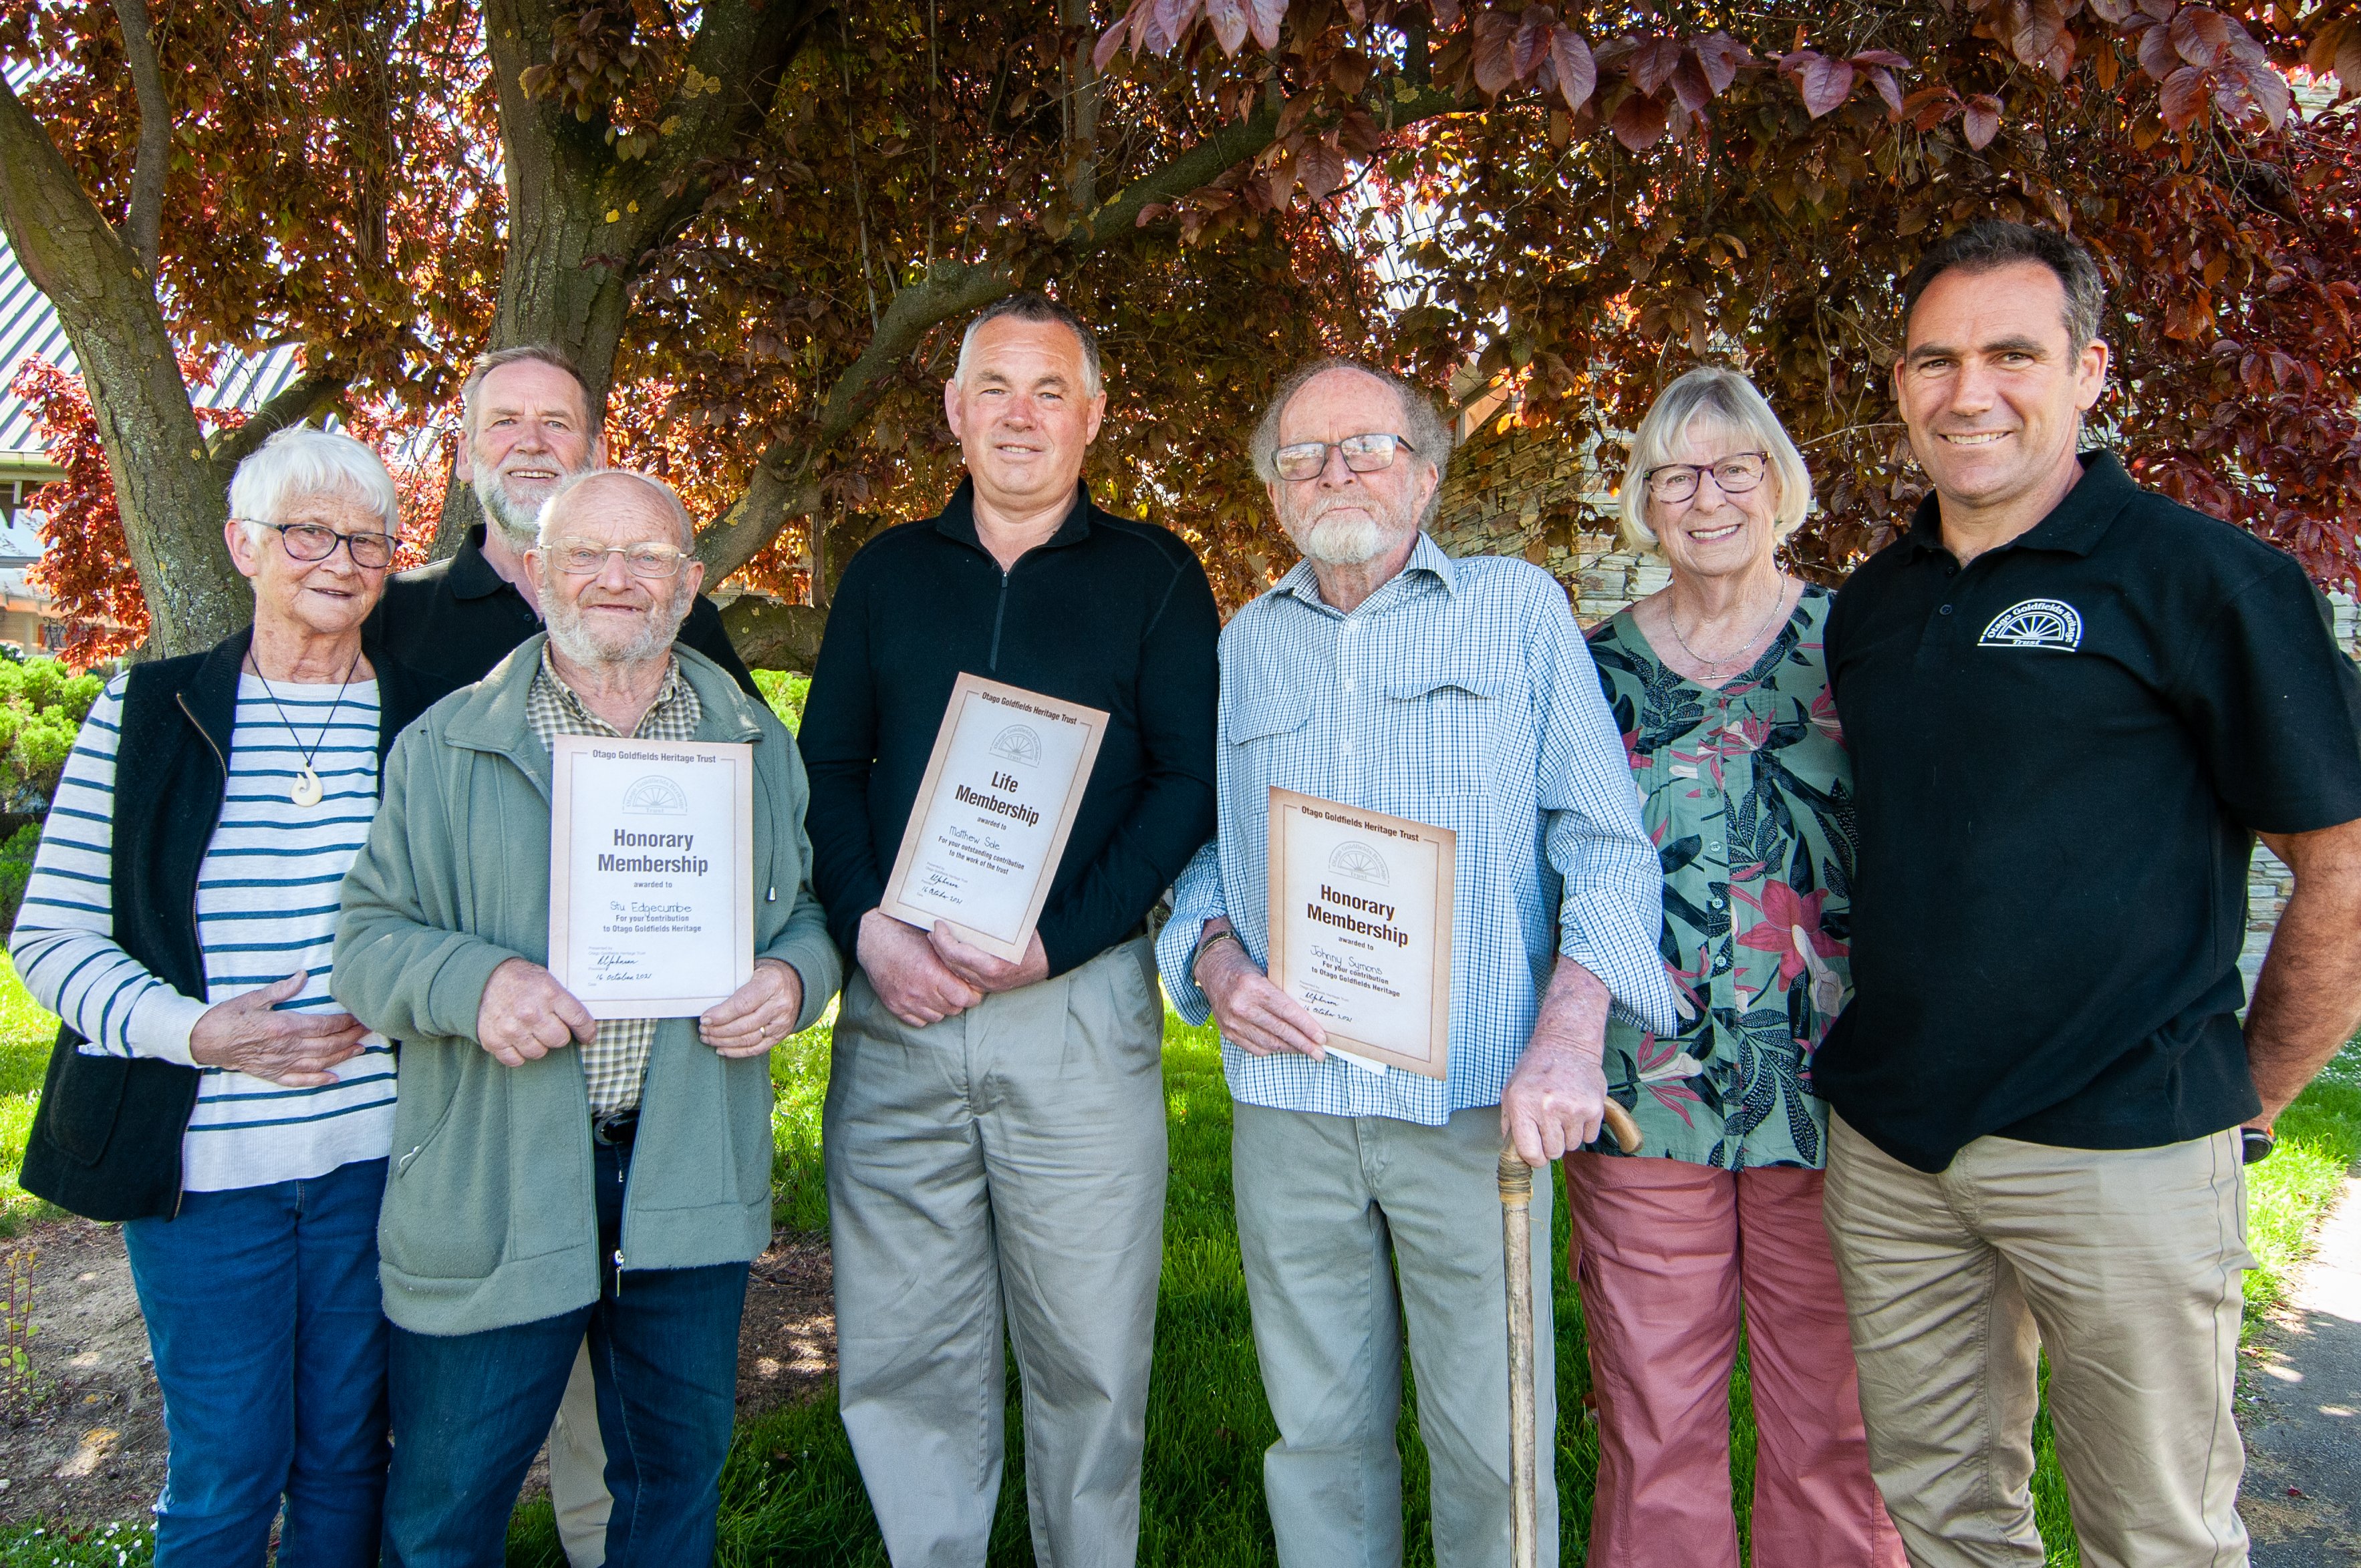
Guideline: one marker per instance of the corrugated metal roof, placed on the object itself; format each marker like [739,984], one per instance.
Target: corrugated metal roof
[30,328]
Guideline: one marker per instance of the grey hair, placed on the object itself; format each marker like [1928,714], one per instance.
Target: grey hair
[1725,398]
[300,461]
[523,354]
[573,482]
[1989,244]
[1428,437]
[1040,309]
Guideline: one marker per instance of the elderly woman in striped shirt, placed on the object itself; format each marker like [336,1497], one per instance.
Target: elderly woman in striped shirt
[205,1089]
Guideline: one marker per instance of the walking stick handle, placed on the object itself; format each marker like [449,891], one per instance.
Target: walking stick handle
[1625,1130]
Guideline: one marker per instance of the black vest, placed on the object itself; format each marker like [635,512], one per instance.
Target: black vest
[107,1141]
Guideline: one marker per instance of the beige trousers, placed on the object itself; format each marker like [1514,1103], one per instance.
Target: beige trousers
[577,1470]
[1006,1166]
[2124,1265]
[1354,1230]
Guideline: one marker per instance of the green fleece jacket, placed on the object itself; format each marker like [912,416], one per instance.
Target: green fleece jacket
[489,1218]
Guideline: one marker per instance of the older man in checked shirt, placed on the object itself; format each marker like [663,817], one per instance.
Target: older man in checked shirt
[1382,674]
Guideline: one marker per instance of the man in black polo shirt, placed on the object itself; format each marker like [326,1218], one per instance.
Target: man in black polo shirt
[2072,706]
[525,423]
[994,1132]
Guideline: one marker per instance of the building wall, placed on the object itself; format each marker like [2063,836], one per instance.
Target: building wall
[1511,494]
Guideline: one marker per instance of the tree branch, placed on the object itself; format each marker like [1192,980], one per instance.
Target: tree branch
[307,395]
[171,499]
[781,485]
[144,218]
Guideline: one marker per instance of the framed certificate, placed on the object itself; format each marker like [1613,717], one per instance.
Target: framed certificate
[1360,927]
[650,874]
[992,812]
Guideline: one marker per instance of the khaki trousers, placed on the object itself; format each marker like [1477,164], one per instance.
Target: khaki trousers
[577,1470]
[1352,1229]
[1008,1163]
[2125,1264]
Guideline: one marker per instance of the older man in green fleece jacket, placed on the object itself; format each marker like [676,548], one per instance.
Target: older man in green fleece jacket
[550,1173]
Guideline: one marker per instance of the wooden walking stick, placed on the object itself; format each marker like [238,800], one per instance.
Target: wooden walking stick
[1517,1240]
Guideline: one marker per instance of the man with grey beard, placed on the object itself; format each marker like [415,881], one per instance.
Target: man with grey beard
[542,1155]
[1383,676]
[525,426]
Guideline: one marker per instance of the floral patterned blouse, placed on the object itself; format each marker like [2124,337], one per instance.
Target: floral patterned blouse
[1748,793]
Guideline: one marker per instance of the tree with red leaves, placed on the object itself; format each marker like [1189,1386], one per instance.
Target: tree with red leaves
[762,225]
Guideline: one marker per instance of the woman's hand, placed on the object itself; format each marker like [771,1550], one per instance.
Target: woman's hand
[247,1033]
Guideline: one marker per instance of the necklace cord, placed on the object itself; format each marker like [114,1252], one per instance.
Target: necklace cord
[1674,621]
[329,723]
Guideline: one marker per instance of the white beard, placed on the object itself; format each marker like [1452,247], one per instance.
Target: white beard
[570,630]
[1344,541]
[519,522]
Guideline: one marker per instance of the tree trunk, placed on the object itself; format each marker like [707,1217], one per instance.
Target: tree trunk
[172,496]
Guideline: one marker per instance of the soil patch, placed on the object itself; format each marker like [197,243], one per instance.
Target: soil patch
[91,1446]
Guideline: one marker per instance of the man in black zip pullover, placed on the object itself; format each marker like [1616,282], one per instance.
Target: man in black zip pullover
[994,1131]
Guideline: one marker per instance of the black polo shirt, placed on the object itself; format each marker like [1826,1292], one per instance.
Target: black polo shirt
[455,618]
[1109,613]
[2061,753]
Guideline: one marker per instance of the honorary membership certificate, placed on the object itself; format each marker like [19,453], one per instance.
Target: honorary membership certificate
[1360,927]
[998,798]
[650,874]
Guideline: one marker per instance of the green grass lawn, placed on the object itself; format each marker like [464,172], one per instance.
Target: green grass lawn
[791,1496]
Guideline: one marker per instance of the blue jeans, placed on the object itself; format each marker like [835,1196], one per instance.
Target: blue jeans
[263,1314]
[471,1411]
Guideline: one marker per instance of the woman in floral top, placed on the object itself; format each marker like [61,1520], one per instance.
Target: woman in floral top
[1718,686]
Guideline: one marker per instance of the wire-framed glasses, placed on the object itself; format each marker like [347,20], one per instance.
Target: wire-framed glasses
[1733,476]
[309,541]
[583,557]
[1363,455]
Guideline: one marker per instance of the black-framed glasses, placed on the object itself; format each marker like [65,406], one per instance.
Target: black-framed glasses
[1733,476]
[1363,455]
[310,542]
[583,558]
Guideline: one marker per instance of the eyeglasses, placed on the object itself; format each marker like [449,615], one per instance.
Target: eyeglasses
[581,558]
[1733,476]
[309,542]
[1363,455]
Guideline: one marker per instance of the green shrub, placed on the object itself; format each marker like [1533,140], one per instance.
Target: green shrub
[785,693]
[42,705]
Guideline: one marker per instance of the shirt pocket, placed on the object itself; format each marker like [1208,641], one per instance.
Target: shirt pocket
[1439,732]
[1265,718]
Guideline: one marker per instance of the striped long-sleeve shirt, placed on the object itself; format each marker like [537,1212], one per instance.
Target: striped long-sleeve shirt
[1460,694]
[266,908]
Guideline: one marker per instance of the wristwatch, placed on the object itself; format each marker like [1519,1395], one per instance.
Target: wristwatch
[1206,941]
[2256,1143]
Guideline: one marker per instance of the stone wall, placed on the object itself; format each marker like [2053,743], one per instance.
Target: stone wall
[1512,494]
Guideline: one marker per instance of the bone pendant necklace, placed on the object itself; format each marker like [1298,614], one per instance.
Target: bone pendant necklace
[307,790]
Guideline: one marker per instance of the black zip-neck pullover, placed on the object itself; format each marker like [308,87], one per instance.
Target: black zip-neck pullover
[1108,612]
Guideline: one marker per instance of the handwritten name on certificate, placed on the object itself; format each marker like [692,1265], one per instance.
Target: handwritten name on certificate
[1360,927]
[650,874]
[994,809]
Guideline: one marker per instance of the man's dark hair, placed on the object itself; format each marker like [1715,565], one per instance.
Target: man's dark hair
[536,353]
[1032,307]
[1989,244]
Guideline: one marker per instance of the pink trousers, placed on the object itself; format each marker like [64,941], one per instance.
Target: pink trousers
[1664,1252]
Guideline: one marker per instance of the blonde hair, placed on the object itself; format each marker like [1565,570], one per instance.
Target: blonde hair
[1728,398]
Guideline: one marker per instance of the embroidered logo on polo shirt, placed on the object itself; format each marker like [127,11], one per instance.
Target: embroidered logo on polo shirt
[2035,624]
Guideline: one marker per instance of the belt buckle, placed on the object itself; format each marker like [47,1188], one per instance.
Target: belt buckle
[616,1129]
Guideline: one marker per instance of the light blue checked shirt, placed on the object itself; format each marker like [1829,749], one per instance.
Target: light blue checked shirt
[1460,694]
